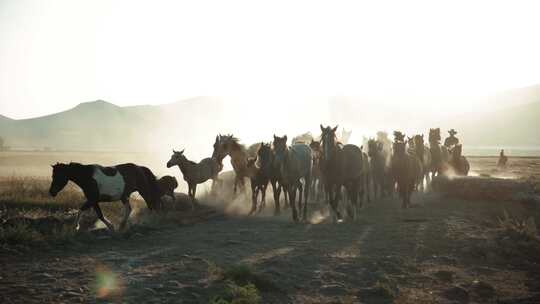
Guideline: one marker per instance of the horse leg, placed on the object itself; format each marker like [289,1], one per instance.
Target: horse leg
[276,189]
[191,194]
[292,196]
[287,197]
[353,198]
[263,198]
[361,192]
[300,194]
[83,208]
[402,189]
[347,202]
[193,199]
[127,212]
[306,195]
[368,178]
[254,194]
[235,185]
[333,195]
[102,218]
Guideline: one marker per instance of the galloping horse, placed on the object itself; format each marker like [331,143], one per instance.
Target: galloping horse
[107,184]
[406,170]
[378,167]
[195,173]
[275,175]
[316,174]
[439,153]
[294,163]
[229,145]
[260,175]
[458,162]
[341,166]
[423,154]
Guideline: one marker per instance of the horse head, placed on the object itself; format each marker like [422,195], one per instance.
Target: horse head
[60,177]
[399,137]
[434,135]
[223,146]
[328,139]
[280,147]
[176,159]
[264,155]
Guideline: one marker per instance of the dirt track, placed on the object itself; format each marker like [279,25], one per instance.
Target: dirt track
[406,256]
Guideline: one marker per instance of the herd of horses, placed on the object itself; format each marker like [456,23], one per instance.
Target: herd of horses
[308,168]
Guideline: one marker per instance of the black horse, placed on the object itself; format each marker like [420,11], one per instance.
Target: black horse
[107,184]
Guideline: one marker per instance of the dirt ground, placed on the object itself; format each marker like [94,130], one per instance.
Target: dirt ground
[441,251]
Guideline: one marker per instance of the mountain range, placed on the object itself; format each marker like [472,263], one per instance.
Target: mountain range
[511,118]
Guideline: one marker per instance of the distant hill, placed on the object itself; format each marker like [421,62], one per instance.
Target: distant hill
[100,125]
[511,118]
[508,118]
[510,126]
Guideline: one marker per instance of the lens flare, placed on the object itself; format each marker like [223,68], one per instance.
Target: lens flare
[108,283]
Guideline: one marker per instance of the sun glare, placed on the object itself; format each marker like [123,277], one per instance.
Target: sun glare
[56,55]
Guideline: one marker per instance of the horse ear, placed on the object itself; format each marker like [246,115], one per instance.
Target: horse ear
[335,128]
[322,128]
[285,138]
[217,138]
[182,152]
[275,137]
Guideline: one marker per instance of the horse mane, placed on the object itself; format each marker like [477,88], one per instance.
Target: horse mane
[236,145]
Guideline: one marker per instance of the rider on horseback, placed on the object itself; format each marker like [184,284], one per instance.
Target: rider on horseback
[451,141]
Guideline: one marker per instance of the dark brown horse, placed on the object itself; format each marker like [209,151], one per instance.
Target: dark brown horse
[439,153]
[424,155]
[341,167]
[107,184]
[260,175]
[229,145]
[275,175]
[317,188]
[379,171]
[406,170]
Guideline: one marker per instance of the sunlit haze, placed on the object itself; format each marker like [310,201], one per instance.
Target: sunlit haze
[56,54]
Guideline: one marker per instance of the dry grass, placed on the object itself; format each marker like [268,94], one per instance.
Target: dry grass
[524,228]
[34,190]
[30,216]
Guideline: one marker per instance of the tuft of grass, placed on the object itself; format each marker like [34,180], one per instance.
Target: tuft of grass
[20,233]
[215,273]
[236,294]
[519,227]
[244,274]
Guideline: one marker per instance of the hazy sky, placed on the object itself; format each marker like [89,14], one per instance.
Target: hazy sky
[56,54]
